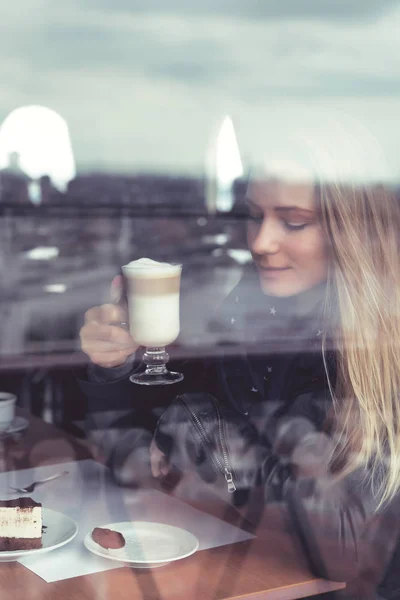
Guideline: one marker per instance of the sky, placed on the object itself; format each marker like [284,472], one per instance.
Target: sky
[144,86]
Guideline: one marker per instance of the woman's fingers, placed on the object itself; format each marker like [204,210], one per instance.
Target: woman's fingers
[103,337]
[106,314]
[110,335]
[158,461]
[117,289]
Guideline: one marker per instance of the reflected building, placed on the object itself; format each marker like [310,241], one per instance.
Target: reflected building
[14,182]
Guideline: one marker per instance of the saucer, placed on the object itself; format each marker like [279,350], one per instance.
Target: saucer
[147,545]
[18,424]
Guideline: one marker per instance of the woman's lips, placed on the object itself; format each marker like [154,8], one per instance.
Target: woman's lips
[272,272]
[273,269]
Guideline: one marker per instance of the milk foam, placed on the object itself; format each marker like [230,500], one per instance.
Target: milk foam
[146,267]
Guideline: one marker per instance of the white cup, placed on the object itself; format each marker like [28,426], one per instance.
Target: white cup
[7,410]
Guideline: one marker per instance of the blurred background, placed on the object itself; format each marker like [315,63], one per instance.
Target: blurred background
[130,128]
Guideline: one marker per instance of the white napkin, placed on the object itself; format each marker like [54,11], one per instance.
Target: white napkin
[88,496]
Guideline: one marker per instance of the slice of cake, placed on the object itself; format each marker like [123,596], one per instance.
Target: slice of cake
[20,524]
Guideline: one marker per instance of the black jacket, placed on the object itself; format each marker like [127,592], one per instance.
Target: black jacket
[257,418]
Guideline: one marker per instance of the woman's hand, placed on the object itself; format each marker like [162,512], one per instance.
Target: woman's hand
[160,466]
[104,339]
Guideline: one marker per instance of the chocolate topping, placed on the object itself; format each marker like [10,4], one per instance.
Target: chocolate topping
[107,538]
[19,502]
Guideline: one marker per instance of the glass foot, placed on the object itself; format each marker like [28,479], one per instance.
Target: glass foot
[156,372]
[152,378]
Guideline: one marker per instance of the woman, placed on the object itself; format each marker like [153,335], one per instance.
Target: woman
[315,418]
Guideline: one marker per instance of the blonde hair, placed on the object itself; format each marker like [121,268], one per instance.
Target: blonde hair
[362,226]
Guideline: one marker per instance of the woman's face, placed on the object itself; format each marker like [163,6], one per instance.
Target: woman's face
[285,237]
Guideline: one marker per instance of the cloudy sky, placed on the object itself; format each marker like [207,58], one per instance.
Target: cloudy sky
[145,85]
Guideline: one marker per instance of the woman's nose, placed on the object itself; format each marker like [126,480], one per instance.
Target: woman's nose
[267,239]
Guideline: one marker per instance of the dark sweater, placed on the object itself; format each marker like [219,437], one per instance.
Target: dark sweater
[275,401]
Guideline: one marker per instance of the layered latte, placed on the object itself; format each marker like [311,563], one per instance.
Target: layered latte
[153,299]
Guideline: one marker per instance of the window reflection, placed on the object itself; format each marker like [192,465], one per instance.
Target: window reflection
[211,136]
[35,145]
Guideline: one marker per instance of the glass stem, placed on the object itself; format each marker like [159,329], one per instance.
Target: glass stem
[155,360]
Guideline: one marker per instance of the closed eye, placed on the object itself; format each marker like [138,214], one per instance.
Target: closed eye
[294,226]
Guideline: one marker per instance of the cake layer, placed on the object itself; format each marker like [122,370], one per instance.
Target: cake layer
[9,544]
[18,522]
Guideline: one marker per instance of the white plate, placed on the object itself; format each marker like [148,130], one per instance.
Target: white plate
[59,530]
[17,425]
[148,545]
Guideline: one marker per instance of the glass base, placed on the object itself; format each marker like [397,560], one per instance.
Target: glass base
[156,372]
[154,378]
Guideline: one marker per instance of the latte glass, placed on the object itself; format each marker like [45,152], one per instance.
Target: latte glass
[153,291]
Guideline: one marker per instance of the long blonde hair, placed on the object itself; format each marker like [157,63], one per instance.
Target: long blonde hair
[362,226]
